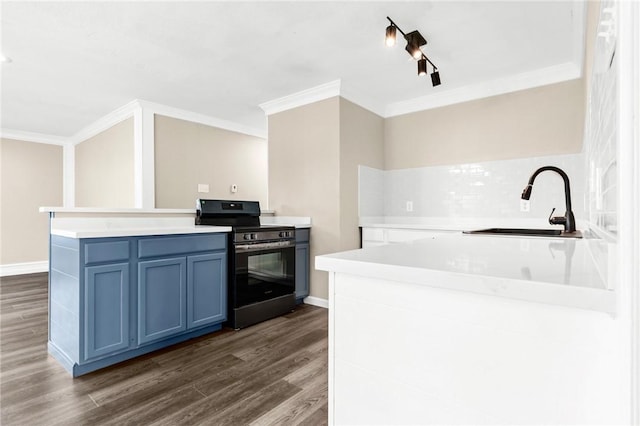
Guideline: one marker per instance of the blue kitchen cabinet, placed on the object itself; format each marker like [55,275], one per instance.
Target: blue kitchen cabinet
[182,293]
[162,289]
[106,309]
[206,281]
[176,293]
[302,264]
[112,299]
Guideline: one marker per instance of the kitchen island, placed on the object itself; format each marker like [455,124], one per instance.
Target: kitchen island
[125,284]
[466,329]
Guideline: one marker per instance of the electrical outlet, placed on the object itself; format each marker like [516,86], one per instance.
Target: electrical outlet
[203,187]
[524,205]
[409,206]
[234,188]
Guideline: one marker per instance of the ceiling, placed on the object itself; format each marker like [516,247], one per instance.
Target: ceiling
[75,62]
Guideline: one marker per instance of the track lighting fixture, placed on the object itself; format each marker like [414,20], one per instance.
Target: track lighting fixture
[414,41]
[390,39]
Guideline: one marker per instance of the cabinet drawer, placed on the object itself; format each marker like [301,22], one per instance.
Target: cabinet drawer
[302,235]
[106,251]
[166,246]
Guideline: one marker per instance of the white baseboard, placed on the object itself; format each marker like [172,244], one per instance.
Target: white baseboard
[316,301]
[24,268]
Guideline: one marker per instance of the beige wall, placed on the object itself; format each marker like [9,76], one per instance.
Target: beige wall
[304,175]
[188,154]
[104,168]
[361,143]
[546,120]
[314,151]
[30,177]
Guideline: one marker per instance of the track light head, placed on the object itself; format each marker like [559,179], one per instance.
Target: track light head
[422,66]
[390,39]
[413,50]
[414,41]
[435,78]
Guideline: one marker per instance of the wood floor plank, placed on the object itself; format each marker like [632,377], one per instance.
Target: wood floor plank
[272,372]
[158,408]
[297,409]
[261,401]
[300,406]
[318,417]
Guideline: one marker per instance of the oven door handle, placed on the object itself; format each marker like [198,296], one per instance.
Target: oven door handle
[246,248]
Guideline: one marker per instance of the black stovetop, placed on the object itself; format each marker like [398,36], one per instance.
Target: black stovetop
[242,216]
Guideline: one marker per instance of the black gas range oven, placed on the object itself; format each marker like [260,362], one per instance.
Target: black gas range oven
[261,261]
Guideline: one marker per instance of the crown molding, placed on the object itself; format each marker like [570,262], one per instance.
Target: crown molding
[528,80]
[34,137]
[195,117]
[305,97]
[124,112]
[541,77]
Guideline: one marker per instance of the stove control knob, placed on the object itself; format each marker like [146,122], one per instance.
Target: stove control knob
[246,236]
[254,237]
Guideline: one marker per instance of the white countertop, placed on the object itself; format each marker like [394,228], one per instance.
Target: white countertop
[81,210]
[457,224]
[297,221]
[129,226]
[113,210]
[102,227]
[548,270]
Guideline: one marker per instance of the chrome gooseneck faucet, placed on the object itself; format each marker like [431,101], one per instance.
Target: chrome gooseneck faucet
[567,220]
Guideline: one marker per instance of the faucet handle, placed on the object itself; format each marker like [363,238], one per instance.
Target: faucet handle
[557,220]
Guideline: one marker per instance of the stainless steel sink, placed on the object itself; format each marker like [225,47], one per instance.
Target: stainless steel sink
[526,232]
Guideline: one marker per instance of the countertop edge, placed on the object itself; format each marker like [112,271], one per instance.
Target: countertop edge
[47,209]
[588,298]
[113,210]
[112,233]
[458,224]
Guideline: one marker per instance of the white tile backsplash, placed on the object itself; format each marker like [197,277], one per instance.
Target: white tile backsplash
[479,190]
[370,191]
[601,137]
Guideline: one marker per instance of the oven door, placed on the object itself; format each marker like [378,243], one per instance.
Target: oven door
[263,271]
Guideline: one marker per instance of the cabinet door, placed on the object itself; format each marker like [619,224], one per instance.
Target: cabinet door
[161,298]
[302,270]
[206,289]
[106,309]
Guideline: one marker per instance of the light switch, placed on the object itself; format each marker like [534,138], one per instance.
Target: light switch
[203,187]
[409,206]
[234,188]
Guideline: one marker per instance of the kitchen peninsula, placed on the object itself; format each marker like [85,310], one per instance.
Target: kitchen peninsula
[125,282]
[466,329]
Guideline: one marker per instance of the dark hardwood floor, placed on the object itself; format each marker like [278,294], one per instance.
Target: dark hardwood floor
[273,373]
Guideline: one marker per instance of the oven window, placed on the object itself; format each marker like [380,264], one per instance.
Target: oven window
[267,267]
[264,275]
